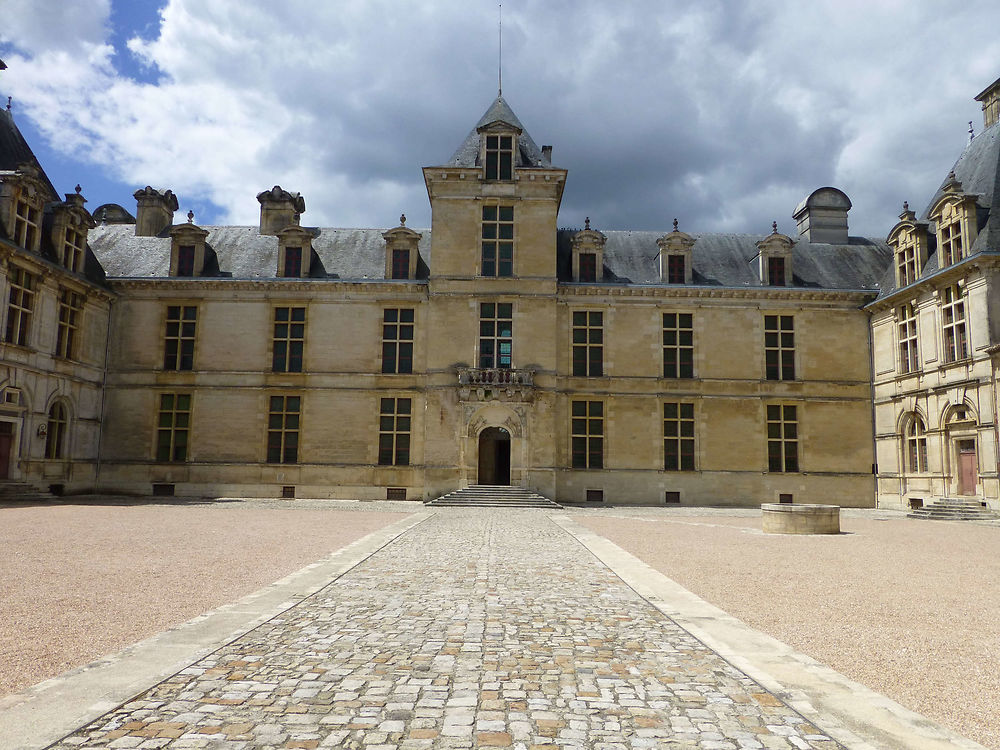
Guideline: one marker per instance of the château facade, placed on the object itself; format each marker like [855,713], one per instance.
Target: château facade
[493,347]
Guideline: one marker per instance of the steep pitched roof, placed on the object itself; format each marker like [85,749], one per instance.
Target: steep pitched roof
[528,153]
[14,150]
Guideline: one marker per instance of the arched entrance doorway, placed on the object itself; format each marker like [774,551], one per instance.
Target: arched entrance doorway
[494,456]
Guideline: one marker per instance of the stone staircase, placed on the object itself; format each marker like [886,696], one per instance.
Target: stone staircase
[954,509]
[493,496]
[23,492]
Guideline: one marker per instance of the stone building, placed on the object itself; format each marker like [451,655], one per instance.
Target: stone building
[493,347]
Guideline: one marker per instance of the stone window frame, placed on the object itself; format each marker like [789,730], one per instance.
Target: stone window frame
[780,351]
[954,214]
[27,223]
[587,343]
[395,429]
[908,240]
[70,303]
[954,324]
[180,335]
[294,240]
[678,345]
[398,329]
[284,425]
[587,243]
[679,436]
[57,431]
[494,220]
[173,427]
[914,439]
[400,240]
[773,247]
[288,338]
[587,433]
[20,305]
[907,336]
[499,151]
[492,313]
[782,435]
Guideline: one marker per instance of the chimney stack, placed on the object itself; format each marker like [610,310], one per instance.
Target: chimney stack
[822,217]
[154,211]
[990,97]
[279,209]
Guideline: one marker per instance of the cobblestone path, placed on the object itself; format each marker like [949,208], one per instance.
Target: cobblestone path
[477,628]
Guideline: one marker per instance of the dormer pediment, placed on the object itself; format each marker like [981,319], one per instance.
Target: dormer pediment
[675,256]
[70,224]
[294,252]
[588,254]
[401,251]
[774,255]
[187,248]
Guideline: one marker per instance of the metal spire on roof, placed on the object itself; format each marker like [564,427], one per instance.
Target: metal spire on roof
[500,50]
[774,227]
[675,225]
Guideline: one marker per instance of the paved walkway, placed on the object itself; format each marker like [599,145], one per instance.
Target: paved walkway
[474,629]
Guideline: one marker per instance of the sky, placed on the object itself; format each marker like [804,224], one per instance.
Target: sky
[723,114]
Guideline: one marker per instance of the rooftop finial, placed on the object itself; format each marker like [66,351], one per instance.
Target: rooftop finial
[906,206]
[972,131]
[78,188]
[190,217]
[500,50]
[774,227]
[8,104]
[402,220]
[586,224]
[675,225]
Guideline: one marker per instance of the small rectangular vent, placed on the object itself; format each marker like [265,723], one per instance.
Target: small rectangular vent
[12,396]
[916,502]
[163,490]
[595,496]
[672,497]
[395,493]
[288,491]
[57,489]
[785,498]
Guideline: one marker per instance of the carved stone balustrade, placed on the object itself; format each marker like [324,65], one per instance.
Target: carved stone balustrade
[495,384]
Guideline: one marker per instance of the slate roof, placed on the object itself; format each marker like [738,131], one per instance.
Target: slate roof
[629,257]
[14,150]
[978,169]
[528,153]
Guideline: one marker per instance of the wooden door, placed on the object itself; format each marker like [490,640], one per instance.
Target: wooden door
[968,468]
[6,443]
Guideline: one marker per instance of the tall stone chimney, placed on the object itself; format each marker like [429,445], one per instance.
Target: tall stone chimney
[154,211]
[279,209]
[822,217]
[990,97]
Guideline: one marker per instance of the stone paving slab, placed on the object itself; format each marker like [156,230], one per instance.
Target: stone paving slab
[475,629]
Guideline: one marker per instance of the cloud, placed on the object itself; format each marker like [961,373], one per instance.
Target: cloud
[724,115]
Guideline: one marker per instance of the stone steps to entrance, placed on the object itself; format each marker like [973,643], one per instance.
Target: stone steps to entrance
[954,509]
[22,491]
[494,496]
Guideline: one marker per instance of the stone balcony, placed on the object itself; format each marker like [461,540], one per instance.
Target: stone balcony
[495,384]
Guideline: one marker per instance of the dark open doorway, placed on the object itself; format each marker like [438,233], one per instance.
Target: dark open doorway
[494,456]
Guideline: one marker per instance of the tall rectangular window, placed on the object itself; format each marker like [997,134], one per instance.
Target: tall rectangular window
[776,271]
[675,269]
[587,435]
[588,267]
[178,350]
[907,328]
[67,333]
[283,429]
[588,343]
[289,339]
[499,157]
[678,345]
[782,438]
[293,262]
[779,347]
[397,341]
[73,248]
[400,263]
[26,219]
[496,325]
[678,437]
[951,242]
[19,306]
[173,426]
[394,432]
[956,345]
[185,260]
[906,260]
[498,241]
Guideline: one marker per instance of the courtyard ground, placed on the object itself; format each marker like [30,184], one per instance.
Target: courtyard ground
[910,609]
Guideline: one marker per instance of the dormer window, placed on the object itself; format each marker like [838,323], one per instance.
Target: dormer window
[401,251]
[187,248]
[185,260]
[775,258]
[68,230]
[499,157]
[73,246]
[955,215]
[22,198]
[909,242]
[26,218]
[588,254]
[293,262]
[675,256]
[294,252]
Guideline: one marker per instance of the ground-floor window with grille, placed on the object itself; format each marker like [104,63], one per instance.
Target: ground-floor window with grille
[394,432]
[283,429]
[173,426]
[587,440]
[678,437]
[782,438]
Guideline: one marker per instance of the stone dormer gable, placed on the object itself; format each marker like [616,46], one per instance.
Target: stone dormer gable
[24,191]
[675,256]
[68,230]
[401,252]
[588,254]
[154,211]
[990,99]
[187,249]
[774,257]
[909,243]
[279,209]
[954,214]
[294,252]
[822,216]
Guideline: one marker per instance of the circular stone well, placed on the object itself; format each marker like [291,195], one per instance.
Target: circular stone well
[800,519]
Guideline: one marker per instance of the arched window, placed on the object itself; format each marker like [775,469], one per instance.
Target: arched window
[55,438]
[915,445]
